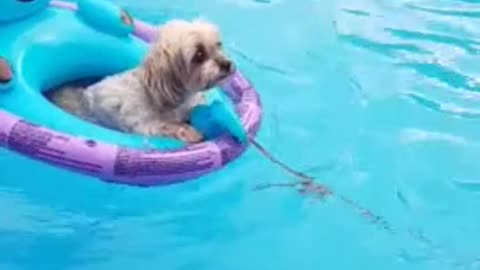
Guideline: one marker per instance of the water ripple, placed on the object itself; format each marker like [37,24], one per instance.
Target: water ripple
[439,72]
[448,108]
[467,13]
[356,12]
[384,48]
[472,186]
[428,54]
[259,64]
[466,44]
[415,135]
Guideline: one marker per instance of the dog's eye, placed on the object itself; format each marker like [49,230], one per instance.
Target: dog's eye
[219,44]
[200,55]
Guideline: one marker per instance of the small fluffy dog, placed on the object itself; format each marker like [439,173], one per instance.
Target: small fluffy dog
[156,98]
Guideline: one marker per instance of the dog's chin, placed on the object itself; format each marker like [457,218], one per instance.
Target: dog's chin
[220,81]
[217,81]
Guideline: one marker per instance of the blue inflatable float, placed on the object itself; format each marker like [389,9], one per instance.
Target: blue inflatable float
[45,44]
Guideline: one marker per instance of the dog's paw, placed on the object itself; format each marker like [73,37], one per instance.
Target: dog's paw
[188,134]
[183,132]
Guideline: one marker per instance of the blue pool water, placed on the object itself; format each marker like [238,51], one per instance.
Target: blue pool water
[379,100]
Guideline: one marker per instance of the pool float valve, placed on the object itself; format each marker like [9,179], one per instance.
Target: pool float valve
[106,16]
[6,75]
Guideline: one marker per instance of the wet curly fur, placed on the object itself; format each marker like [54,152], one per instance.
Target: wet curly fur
[156,98]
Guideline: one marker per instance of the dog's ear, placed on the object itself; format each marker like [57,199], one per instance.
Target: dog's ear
[160,78]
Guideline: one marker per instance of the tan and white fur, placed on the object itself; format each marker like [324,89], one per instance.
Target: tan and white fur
[156,98]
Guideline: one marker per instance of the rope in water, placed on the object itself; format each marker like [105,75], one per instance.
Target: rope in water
[306,184]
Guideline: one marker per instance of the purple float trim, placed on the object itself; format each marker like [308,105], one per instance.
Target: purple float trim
[116,164]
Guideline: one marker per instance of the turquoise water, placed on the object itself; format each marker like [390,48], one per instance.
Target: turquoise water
[377,99]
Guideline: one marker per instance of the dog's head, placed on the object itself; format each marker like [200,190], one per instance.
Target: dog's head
[187,58]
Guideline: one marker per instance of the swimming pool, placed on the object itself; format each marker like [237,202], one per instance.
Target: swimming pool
[377,99]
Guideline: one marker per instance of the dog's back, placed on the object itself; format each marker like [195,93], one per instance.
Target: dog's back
[72,100]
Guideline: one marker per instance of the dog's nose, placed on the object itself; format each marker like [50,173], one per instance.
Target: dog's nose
[226,65]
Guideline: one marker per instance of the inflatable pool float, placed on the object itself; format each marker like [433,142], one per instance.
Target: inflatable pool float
[47,43]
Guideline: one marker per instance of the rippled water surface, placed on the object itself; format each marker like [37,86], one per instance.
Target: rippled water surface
[379,100]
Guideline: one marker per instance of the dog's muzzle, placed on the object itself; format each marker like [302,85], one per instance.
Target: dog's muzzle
[225,65]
